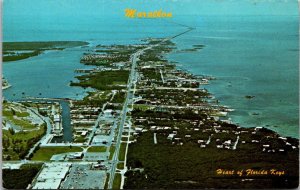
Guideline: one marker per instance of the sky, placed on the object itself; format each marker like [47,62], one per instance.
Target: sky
[41,8]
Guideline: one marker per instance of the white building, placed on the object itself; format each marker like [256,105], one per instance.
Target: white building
[51,176]
[171,136]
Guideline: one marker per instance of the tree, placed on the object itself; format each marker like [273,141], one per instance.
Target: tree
[11,131]
[13,111]
[8,157]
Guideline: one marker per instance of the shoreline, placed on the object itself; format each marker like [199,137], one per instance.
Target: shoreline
[147,105]
[243,117]
[179,65]
[15,51]
[6,87]
[192,133]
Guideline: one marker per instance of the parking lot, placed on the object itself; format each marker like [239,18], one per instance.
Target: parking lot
[83,176]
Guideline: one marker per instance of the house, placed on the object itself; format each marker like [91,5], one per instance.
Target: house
[257,128]
[108,113]
[138,129]
[283,138]
[153,128]
[83,133]
[56,118]
[228,142]
[171,136]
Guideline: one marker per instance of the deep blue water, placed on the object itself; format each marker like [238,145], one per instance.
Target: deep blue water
[248,55]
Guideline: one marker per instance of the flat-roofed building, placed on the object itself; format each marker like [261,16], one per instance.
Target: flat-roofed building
[51,176]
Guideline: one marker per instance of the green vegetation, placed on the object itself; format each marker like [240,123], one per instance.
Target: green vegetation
[19,56]
[25,124]
[125,133]
[198,46]
[16,145]
[107,61]
[111,54]
[122,151]
[175,96]
[22,122]
[20,178]
[142,107]
[119,97]
[30,49]
[195,48]
[94,99]
[117,181]
[103,80]
[80,139]
[12,112]
[106,181]
[11,46]
[152,74]
[32,165]
[45,153]
[188,166]
[97,149]
[183,114]
[120,166]
[111,152]
[249,97]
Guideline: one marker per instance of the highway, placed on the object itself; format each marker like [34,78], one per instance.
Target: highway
[131,80]
[129,96]
[122,118]
[92,134]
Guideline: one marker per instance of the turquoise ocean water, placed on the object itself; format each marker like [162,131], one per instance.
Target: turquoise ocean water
[248,55]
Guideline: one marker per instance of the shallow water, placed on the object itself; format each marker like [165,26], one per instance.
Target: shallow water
[249,56]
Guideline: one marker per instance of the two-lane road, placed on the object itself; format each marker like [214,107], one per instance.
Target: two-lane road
[132,79]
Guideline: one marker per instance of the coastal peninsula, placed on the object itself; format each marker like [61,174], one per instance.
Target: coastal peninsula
[144,124]
[13,51]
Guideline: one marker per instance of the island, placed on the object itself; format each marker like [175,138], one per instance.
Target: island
[5,84]
[145,124]
[13,51]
